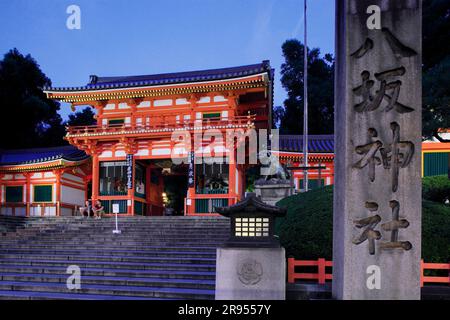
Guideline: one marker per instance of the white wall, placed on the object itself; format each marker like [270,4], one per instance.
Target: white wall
[72,196]
[36,211]
[65,212]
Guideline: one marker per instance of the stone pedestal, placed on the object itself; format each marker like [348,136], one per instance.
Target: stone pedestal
[378,126]
[272,192]
[251,274]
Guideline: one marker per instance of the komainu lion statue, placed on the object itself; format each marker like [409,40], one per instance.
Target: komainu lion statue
[271,166]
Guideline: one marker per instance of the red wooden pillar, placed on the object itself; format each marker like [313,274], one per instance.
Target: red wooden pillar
[27,193]
[148,176]
[58,174]
[321,270]
[421,272]
[232,177]
[95,177]
[291,270]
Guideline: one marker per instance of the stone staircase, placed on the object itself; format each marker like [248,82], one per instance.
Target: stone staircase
[153,257]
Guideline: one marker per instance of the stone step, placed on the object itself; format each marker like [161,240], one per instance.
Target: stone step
[35,295]
[153,258]
[112,253]
[137,228]
[115,239]
[122,272]
[112,280]
[101,264]
[103,222]
[99,244]
[108,247]
[129,230]
[97,258]
[153,292]
[130,236]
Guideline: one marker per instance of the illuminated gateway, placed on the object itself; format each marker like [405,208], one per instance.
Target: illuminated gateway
[136,117]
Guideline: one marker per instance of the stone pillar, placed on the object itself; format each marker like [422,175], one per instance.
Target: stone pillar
[251,274]
[377,194]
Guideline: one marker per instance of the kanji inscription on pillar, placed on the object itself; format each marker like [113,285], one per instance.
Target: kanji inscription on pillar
[377,195]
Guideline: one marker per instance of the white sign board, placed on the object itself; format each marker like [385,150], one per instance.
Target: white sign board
[115,208]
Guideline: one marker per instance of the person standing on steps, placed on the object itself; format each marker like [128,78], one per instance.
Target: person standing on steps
[98,210]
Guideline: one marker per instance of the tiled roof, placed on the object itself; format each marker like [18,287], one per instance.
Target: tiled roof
[316,143]
[28,156]
[103,83]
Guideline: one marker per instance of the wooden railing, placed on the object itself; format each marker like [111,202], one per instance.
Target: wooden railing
[321,276]
[168,122]
[434,266]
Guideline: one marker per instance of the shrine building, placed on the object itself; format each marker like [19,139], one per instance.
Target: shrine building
[44,181]
[131,145]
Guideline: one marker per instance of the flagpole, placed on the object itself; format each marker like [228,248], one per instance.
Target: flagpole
[305,105]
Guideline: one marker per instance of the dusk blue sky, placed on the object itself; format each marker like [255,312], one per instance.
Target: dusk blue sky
[133,37]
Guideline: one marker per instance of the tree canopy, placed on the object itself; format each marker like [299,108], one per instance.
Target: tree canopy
[436,66]
[30,119]
[35,118]
[436,79]
[84,117]
[320,90]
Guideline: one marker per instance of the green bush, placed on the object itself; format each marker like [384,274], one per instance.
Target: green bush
[306,231]
[435,232]
[436,188]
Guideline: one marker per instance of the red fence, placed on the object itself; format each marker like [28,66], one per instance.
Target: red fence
[433,266]
[322,275]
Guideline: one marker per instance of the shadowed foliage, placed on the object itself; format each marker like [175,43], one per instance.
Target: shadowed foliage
[320,91]
[436,66]
[84,117]
[307,230]
[35,118]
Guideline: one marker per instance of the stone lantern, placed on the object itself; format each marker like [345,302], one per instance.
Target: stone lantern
[251,264]
[252,223]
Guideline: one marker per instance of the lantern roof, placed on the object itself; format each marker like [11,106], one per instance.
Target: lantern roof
[251,204]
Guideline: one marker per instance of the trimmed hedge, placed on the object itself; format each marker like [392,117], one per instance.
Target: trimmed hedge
[307,230]
[436,188]
[435,232]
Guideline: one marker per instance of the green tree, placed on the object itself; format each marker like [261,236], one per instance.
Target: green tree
[320,91]
[24,104]
[436,66]
[84,117]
